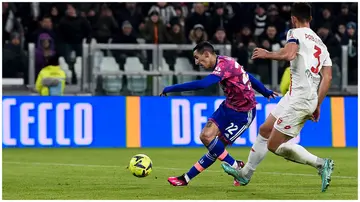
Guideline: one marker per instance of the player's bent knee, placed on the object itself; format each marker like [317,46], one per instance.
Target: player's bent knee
[206,137]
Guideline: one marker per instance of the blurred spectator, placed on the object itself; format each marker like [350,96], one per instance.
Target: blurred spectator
[154,30]
[266,41]
[285,12]
[199,16]
[88,10]
[260,21]
[9,22]
[352,52]
[105,27]
[273,18]
[126,36]
[131,13]
[332,44]
[72,30]
[198,34]
[51,79]
[55,15]
[220,37]
[325,18]
[243,37]
[15,61]
[166,12]
[29,13]
[240,48]
[345,15]
[269,38]
[340,33]
[176,36]
[181,10]
[179,18]
[45,49]
[46,26]
[220,19]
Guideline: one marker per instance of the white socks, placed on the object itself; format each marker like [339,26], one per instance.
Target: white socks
[289,151]
[299,154]
[256,155]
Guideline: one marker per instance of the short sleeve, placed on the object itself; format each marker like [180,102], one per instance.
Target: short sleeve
[291,37]
[327,61]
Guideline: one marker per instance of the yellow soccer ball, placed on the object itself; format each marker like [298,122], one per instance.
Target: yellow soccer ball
[140,165]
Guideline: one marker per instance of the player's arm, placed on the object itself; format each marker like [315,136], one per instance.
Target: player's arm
[259,87]
[326,77]
[288,53]
[194,85]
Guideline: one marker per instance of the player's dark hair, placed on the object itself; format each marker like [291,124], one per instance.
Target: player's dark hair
[204,46]
[302,11]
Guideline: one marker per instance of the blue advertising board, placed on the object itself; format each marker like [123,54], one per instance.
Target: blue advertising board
[75,121]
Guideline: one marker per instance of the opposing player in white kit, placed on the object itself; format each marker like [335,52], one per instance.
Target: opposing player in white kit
[310,80]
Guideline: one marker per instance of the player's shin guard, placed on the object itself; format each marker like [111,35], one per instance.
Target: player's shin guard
[206,161]
[257,154]
[299,154]
[217,148]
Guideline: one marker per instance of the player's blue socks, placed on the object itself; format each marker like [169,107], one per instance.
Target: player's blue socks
[206,161]
[217,148]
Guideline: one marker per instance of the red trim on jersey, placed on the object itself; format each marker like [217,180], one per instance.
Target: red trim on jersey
[290,83]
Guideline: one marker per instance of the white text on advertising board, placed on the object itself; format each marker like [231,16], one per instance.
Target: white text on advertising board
[34,119]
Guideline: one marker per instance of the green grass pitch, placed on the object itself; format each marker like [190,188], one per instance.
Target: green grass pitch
[102,174]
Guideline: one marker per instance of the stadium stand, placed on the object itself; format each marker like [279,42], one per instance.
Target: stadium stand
[68,26]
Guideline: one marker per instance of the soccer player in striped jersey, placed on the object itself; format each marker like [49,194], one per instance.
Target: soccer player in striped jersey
[232,117]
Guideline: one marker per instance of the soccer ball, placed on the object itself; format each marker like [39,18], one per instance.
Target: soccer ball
[140,165]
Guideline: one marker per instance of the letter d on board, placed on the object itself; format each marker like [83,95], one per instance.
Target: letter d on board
[180,107]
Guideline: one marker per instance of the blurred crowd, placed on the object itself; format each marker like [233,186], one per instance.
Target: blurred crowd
[62,28]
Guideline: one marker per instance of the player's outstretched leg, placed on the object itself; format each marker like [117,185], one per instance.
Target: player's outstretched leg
[206,161]
[278,144]
[216,150]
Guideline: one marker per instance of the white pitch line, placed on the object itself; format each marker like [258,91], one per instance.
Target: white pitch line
[162,168]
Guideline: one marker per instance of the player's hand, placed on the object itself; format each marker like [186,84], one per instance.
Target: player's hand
[163,94]
[316,115]
[259,53]
[273,95]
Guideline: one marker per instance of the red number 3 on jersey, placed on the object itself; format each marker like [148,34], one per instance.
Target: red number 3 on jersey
[317,56]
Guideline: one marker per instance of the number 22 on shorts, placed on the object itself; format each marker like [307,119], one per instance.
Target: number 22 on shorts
[230,130]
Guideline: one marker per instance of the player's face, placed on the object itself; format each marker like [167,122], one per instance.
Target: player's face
[203,59]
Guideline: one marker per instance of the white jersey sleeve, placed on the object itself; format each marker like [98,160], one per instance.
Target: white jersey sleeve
[291,37]
[327,61]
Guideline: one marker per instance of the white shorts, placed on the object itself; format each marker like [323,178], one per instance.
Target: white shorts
[291,113]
